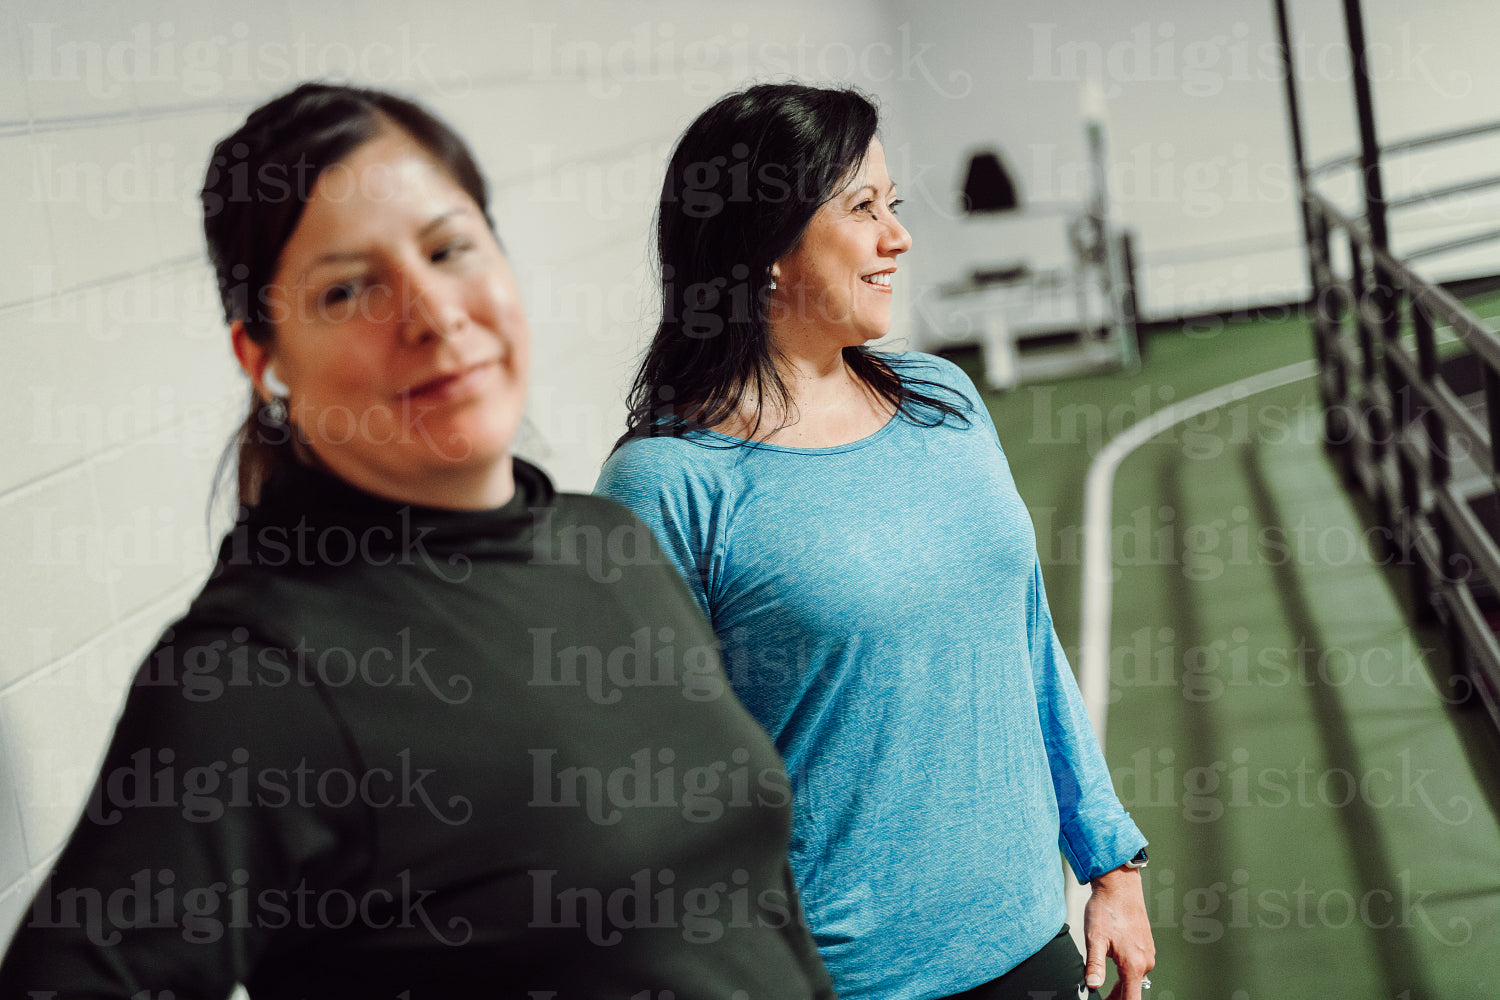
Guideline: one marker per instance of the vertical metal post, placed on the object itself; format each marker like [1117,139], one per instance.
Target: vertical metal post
[1128,299]
[1376,306]
[1359,283]
[1369,148]
[1492,405]
[1299,157]
[1421,322]
[1114,273]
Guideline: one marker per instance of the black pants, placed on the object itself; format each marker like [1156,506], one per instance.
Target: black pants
[1054,973]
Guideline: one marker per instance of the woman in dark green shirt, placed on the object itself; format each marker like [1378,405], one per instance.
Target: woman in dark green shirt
[430,726]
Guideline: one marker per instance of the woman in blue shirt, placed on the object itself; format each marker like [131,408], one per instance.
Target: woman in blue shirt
[847,520]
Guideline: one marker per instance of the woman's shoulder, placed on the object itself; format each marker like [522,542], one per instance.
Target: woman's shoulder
[676,480]
[219,674]
[695,460]
[657,449]
[603,509]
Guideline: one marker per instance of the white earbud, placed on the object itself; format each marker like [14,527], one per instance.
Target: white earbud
[274,385]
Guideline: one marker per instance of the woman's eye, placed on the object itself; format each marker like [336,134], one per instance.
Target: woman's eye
[864,206]
[450,250]
[339,294]
[894,206]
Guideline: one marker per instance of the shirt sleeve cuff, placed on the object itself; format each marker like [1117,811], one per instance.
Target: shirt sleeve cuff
[1092,853]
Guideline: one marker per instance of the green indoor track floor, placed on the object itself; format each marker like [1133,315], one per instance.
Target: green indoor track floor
[1323,820]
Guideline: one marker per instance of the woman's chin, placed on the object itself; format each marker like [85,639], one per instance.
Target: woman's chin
[473,435]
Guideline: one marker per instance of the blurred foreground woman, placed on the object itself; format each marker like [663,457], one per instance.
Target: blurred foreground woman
[420,735]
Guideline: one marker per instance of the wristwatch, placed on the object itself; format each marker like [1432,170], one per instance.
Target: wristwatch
[1139,861]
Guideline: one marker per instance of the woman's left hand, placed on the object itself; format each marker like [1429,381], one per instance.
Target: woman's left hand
[1115,925]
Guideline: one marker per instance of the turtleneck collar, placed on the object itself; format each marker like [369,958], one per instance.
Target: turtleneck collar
[324,520]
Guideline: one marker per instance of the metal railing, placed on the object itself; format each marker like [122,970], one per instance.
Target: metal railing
[1415,421]
[1417,428]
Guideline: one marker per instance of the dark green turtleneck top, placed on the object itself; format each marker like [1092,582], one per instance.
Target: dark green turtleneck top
[406,753]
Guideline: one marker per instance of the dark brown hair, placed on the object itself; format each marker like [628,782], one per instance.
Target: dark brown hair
[259,180]
[745,180]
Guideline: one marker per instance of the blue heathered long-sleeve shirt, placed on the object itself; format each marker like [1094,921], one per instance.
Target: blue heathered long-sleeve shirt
[881,609]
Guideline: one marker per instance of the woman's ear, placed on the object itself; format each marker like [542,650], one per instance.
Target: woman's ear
[254,358]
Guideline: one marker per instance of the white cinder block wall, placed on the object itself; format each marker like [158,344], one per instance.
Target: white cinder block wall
[119,389]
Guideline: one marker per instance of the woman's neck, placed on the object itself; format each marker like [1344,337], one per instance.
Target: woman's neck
[481,487]
[826,405]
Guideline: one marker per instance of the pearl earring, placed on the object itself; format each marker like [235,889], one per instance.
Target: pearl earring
[276,410]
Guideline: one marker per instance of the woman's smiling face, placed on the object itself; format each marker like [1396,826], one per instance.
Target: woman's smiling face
[837,281]
[399,331]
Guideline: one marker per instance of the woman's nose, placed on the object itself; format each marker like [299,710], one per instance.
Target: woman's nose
[896,239]
[433,306]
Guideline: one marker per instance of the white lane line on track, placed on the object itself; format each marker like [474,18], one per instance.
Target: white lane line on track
[1098,569]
